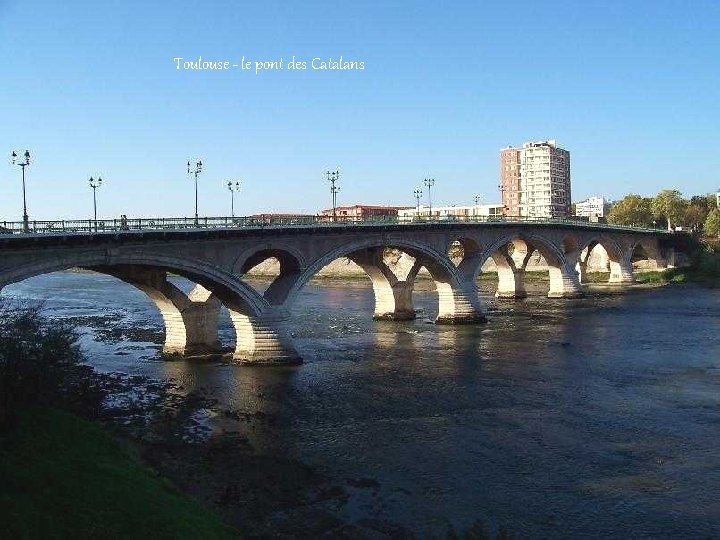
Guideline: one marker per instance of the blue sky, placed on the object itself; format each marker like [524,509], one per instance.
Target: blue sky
[630,88]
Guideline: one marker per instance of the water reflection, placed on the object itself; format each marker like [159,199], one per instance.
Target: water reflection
[557,418]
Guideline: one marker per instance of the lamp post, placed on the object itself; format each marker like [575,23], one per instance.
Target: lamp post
[233,189]
[429,182]
[94,184]
[418,194]
[332,177]
[22,163]
[195,170]
[476,199]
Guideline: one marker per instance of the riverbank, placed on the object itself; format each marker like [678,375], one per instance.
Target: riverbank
[65,477]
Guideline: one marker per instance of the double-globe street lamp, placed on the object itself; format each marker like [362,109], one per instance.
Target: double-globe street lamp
[234,188]
[94,184]
[429,183]
[195,170]
[332,177]
[418,194]
[22,163]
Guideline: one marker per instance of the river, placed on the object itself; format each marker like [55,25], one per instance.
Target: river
[589,417]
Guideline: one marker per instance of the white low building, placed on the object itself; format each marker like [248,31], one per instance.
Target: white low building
[592,207]
[452,212]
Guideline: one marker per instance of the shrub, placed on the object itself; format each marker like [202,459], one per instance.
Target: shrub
[41,365]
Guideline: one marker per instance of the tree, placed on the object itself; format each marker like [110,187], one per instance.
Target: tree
[631,210]
[41,365]
[708,202]
[695,216]
[670,205]
[712,224]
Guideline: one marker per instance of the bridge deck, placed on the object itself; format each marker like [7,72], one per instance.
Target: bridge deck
[45,232]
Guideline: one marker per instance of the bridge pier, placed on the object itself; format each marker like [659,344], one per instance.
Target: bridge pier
[264,340]
[393,294]
[621,272]
[459,304]
[191,320]
[394,302]
[511,282]
[564,282]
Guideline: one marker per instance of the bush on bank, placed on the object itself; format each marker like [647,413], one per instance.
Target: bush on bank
[41,365]
[63,476]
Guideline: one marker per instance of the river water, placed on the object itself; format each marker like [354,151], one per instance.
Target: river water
[589,417]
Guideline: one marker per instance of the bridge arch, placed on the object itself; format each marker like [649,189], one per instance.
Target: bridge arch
[230,290]
[261,333]
[393,293]
[613,251]
[290,260]
[511,266]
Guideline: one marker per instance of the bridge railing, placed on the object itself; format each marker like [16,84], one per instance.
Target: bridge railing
[267,221]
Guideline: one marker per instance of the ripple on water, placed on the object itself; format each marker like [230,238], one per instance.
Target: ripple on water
[596,416]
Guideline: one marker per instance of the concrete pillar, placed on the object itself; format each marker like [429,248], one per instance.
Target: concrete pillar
[458,304]
[191,320]
[264,339]
[581,270]
[393,302]
[393,296]
[621,272]
[564,282]
[200,321]
[511,282]
[511,271]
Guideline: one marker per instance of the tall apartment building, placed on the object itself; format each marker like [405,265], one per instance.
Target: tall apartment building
[535,180]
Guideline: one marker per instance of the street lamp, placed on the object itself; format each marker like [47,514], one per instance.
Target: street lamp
[195,170]
[476,199]
[418,194]
[332,177]
[233,189]
[429,182]
[94,184]
[22,163]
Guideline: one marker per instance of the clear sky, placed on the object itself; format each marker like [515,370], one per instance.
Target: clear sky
[630,88]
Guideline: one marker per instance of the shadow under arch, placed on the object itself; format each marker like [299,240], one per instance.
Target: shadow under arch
[645,250]
[393,293]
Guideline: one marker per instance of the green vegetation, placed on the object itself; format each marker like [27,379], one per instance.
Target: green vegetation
[41,364]
[65,477]
[632,210]
[670,206]
[712,224]
[705,269]
[666,208]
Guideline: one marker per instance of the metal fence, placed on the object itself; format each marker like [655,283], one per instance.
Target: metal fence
[262,222]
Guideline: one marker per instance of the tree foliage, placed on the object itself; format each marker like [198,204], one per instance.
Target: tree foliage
[712,223]
[632,210]
[695,216]
[669,205]
[41,365]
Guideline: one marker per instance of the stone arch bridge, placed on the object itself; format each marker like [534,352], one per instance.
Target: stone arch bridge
[217,260]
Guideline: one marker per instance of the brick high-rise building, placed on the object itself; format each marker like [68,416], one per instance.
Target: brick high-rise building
[535,180]
[510,181]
